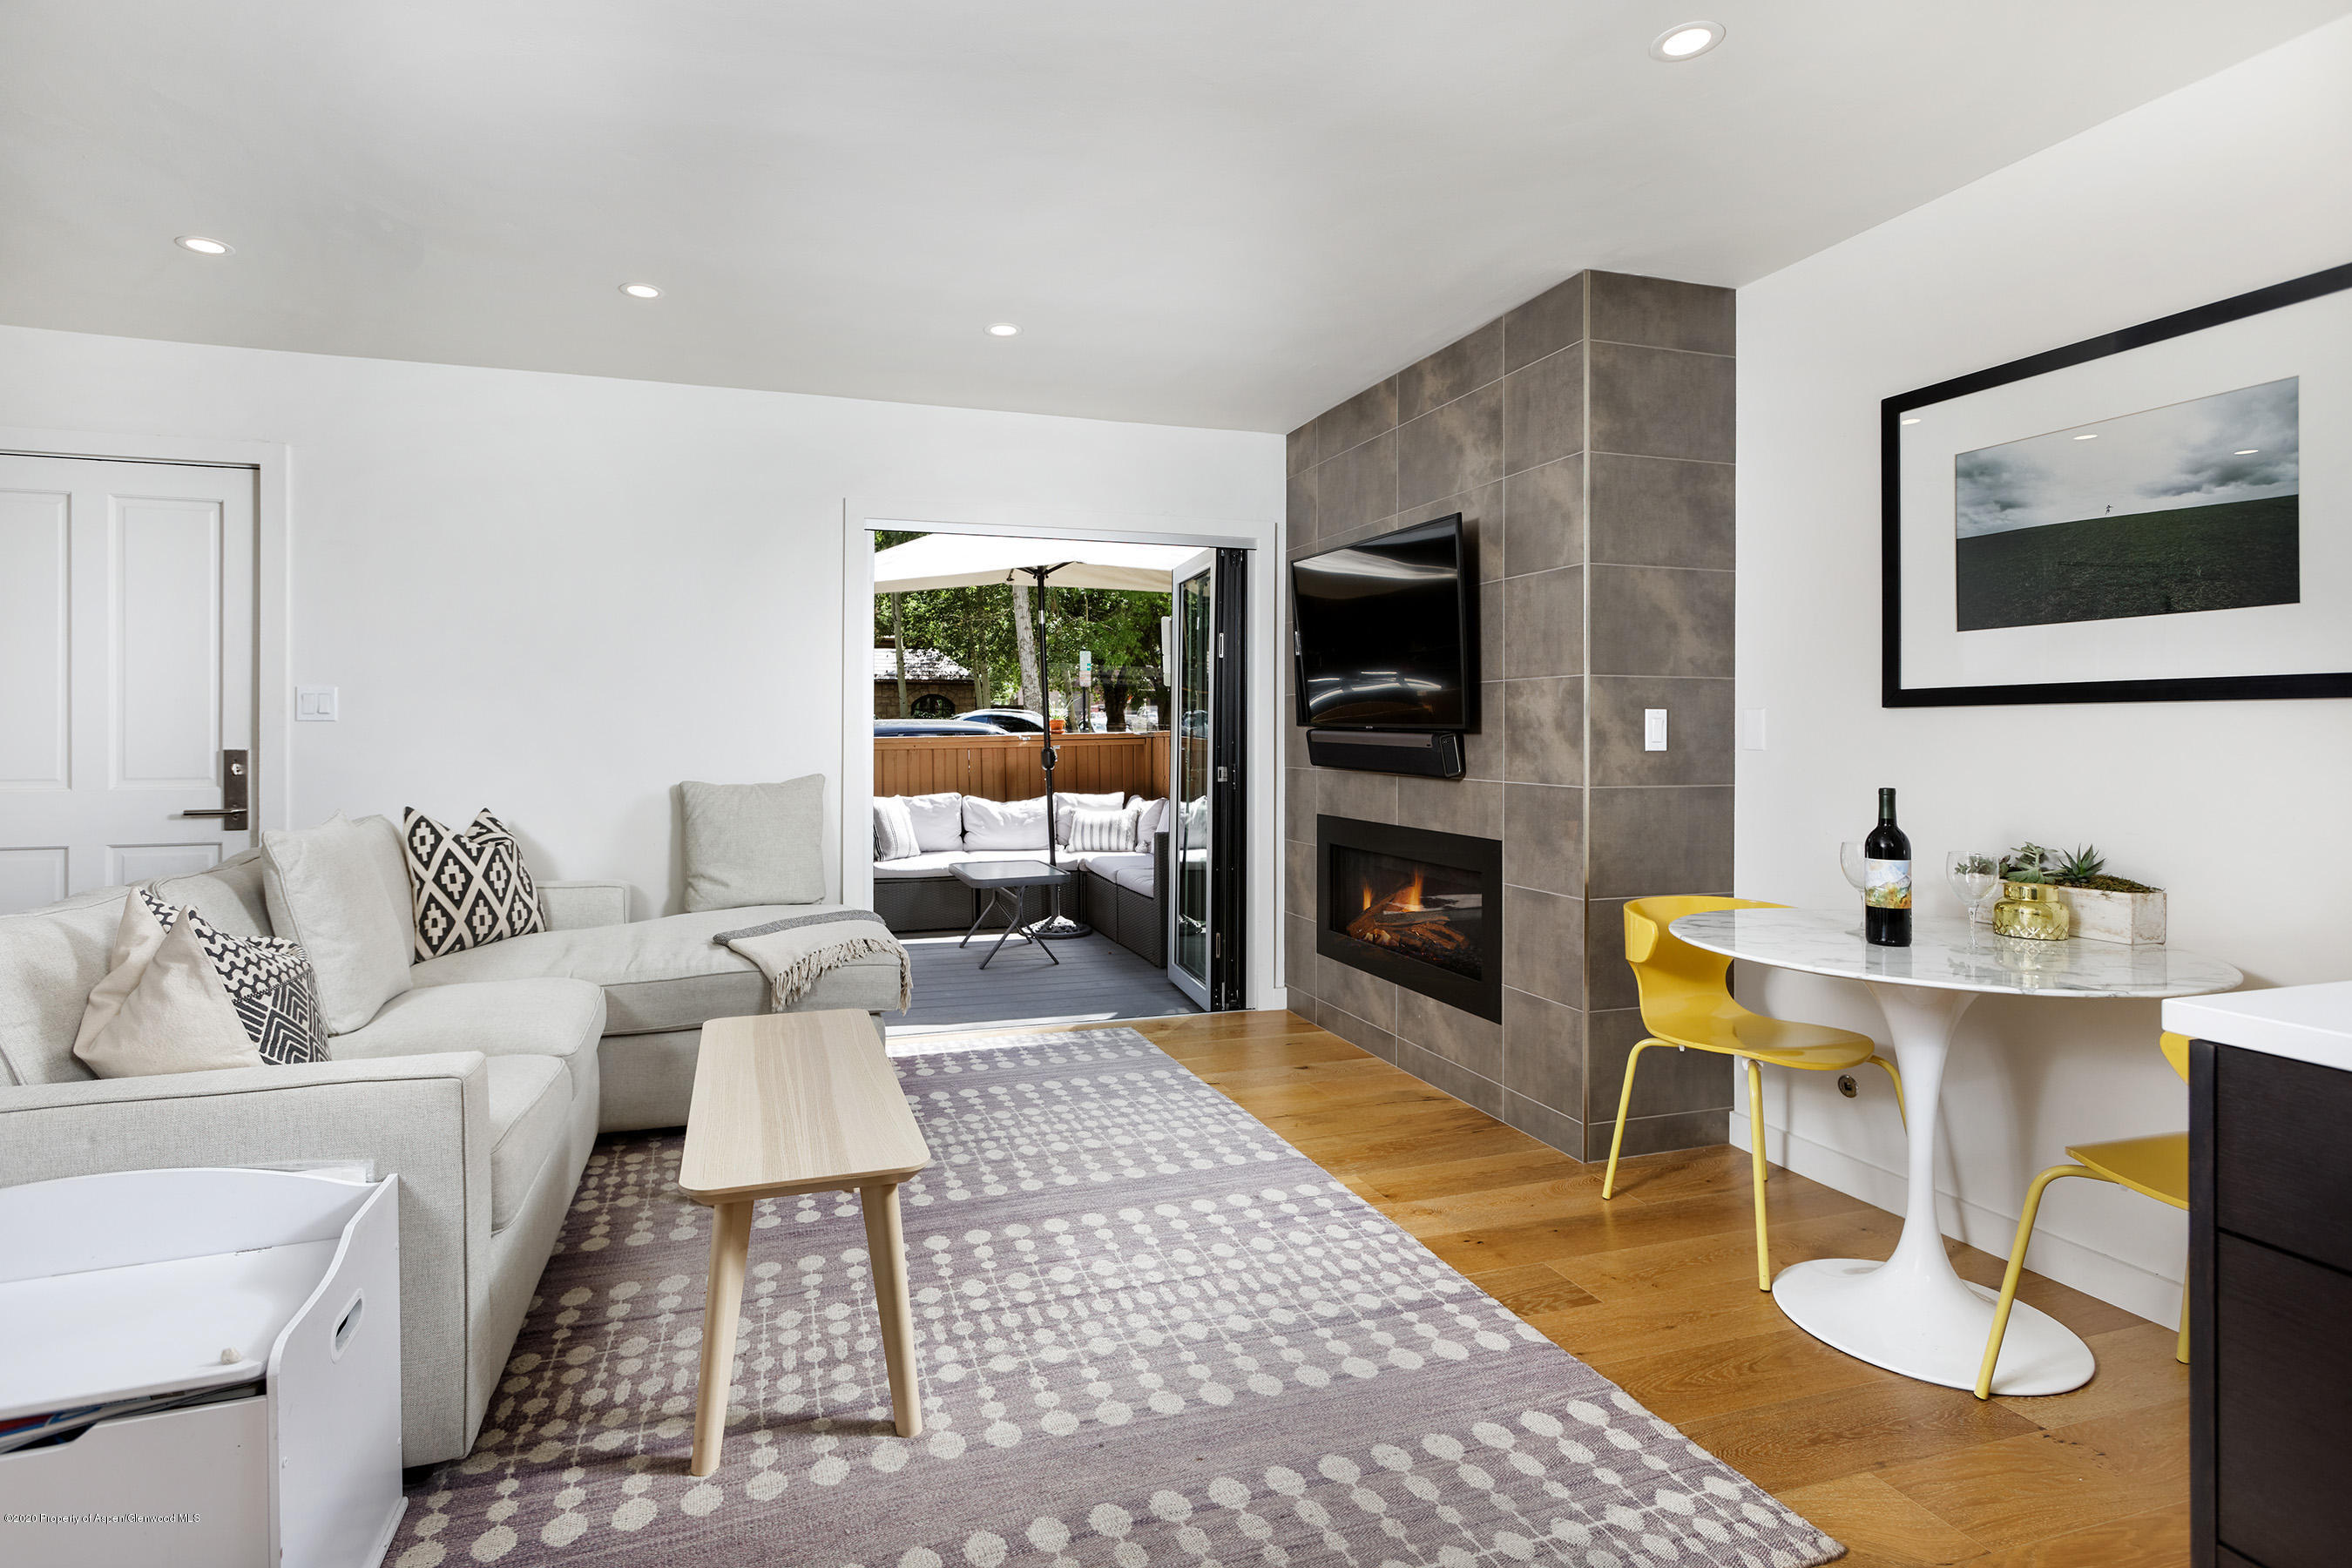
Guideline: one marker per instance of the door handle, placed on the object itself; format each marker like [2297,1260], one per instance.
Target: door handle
[235,811]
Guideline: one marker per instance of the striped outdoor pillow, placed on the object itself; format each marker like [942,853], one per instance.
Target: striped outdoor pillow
[1102,830]
[893,829]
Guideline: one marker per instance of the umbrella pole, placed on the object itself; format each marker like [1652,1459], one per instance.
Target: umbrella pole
[1059,926]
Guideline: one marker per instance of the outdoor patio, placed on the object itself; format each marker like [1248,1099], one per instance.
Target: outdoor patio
[1097,980]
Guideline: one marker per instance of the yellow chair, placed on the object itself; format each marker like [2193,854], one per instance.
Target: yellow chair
[1686,1003]
[2157,1166]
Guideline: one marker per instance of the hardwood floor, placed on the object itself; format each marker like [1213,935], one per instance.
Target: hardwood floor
[1656,1290]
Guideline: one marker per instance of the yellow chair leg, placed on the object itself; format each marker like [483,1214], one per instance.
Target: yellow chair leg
[2017,1266]
[1756,1164]
[1624,1099]
[2180,1352]
[1901,1109]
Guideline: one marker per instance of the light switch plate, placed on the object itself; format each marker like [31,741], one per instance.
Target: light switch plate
[1752,729]
[1654,729]
[314,704]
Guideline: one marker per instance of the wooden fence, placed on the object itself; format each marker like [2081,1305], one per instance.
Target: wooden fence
[1005,767]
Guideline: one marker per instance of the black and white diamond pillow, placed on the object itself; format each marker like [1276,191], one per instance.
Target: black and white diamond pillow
[269,981]
[469,889]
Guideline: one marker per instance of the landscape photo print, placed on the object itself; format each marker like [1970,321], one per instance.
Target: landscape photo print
[2159,514]
[2164,511]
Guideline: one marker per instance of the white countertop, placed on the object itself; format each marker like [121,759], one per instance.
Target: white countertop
[1949,954]
[2308,1023]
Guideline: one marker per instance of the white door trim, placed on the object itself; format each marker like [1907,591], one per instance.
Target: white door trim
[273,603]
[859,517]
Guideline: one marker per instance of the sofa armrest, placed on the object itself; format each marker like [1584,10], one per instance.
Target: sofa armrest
[424,1117]
[572,906]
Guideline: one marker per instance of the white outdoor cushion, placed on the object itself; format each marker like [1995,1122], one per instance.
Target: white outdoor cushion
[893,829]
[341,890]
[1004,824]
[754,844]
[1136,878]
[938,821]
[936,863]
[1149,819]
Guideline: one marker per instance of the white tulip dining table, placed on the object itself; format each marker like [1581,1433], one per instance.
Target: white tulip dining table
[1912,1313]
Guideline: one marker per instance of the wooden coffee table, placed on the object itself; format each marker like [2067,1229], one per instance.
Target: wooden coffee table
[797,1102]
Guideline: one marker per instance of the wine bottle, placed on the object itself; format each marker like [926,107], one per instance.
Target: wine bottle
[1886,880]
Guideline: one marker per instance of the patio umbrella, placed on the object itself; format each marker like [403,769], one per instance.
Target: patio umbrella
[979,561]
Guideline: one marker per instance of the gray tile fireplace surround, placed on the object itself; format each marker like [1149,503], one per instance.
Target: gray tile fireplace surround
[1586,437]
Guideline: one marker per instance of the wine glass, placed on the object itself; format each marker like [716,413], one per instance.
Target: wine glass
[1854,863]
[1972,875]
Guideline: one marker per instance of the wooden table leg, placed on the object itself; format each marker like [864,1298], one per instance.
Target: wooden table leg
[730,1243]
[886,1246]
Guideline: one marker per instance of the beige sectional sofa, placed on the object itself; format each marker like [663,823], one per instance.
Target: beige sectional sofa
[483,1085]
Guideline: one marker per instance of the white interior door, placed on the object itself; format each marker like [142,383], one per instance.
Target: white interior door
[126,670]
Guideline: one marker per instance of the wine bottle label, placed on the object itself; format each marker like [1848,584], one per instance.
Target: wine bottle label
[1886,884]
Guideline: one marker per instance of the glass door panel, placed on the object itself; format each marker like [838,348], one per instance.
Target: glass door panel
[1192,761]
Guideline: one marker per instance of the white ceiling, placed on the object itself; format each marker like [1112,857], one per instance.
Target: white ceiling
[1225,213]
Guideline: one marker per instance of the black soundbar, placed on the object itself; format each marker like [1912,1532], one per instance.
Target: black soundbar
[1435,754]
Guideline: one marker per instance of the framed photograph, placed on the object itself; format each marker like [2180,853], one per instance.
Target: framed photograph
[2161,514]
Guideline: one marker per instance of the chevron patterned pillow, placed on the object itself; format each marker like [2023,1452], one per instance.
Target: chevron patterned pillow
[269,981]
[469,889]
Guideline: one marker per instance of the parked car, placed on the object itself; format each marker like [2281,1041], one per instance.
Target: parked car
[1018,721]
[900,729]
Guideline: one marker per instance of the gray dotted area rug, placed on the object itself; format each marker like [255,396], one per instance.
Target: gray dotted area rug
[1150,1332]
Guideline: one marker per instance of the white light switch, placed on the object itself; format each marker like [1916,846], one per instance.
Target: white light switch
[315,704]
[1752,729]
[1654,729]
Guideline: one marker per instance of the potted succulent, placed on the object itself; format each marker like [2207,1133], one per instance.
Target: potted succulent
[2099,908]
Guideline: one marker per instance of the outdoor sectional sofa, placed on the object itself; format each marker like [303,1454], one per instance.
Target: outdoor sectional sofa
[483,1085]
[1116,891]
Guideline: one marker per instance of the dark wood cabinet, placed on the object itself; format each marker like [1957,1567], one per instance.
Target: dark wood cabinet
[2270,1309]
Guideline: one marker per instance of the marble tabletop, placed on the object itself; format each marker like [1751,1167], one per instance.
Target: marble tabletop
[1949,954]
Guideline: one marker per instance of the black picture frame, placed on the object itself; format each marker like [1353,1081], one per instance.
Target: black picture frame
[2199,688]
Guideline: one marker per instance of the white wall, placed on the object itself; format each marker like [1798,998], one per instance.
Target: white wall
[2239,809]
[557,596]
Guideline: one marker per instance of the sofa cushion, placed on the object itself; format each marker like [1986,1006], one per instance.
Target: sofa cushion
[560,1019]
[754,844]
[50,961]
[1143,878]
[938,863]
[531,1100]
[230,896]
[667,973]
[1151,815]
[1004,824]
[341,890]
[938,820]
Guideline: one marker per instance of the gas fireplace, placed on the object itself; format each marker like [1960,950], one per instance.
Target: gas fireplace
[1420,907]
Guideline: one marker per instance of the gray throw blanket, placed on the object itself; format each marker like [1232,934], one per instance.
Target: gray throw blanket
[796,951]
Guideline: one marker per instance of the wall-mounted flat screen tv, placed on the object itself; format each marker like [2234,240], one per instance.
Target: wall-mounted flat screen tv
[1385,632]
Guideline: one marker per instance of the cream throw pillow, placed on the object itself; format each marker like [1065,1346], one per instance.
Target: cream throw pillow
[162,1008]
[754,844]
[341,890]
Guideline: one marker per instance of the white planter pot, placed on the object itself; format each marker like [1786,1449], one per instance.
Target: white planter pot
[2128,919]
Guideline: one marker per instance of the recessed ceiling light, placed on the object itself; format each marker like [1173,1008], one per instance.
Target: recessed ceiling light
[1913,419]
[2092,437]
[1003,330]
[641,290]
[2245,452]
[1686,41]
[203,247]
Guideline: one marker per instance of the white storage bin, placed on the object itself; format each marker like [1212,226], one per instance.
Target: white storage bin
[170,1282]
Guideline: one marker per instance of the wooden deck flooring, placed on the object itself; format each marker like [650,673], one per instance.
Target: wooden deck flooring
[1097,981]
[1656,1290]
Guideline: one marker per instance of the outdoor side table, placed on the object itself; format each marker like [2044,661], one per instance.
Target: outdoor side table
[1007,883]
